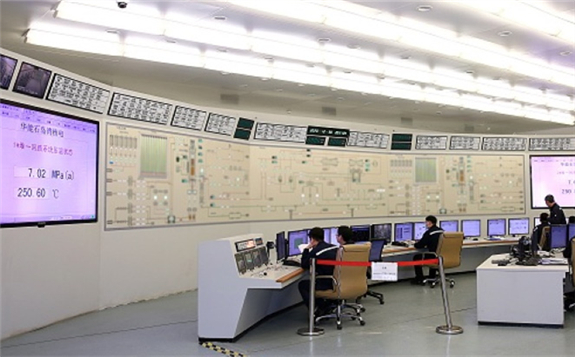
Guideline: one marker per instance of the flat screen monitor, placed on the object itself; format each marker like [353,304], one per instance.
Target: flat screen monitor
[561,186]
[295,238]
[471,227]
[249,260]
[240,263]
[49,167]
[536,221]
[330,235]
[375,250]
[518,226]
[419,229]
[558,236]
[449,226]
[403,232]
[360,233]
[496,227]
[281,246]
[32,80]
[264,255]
[256,258]
[7,67]
[571,230]
[381,231]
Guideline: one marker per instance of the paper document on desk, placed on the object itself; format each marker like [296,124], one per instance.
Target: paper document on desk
[384,271]
[553,261]
[302,246]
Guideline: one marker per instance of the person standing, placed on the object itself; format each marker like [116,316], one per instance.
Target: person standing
[429,240]
[556,214]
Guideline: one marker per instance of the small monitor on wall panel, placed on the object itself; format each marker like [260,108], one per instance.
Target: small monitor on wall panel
[449,226]
[381,231]
[281,246]
[471,227]
[496,227]
[558,236]
[49,167]
[518,226]
[32,80]
[295,238]
[419,229]
[360,233]
[561,186]
[403,232]
[7,67]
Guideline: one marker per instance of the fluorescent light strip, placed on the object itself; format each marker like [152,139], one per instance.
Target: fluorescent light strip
[350,17]
[283,71]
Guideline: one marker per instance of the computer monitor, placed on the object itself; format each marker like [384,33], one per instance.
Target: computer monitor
[375,250]
[536,221]
[264,255]
[240,262]
[518,226]
[249,260]
[449,226]
[360,233]
[558,236]
[418,229]
[381,231]
[403,232]
[471,227]
[295,238]
[281,246]
[570,230]
[330,235]
[496,227]
[256,258]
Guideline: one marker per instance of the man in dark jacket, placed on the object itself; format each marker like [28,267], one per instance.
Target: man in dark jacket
[538,231]
[429,240]
[319,249]
[556,214]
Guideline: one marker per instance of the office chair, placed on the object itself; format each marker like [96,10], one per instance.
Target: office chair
[349,282]
[449,248]
[543,239]
[374,256]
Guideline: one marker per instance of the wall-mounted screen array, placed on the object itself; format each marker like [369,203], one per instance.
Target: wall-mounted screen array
[449,226]
[381,231]
[496,227]
[419,229]
[403,232]
[559,167]
[471,227]
[295,238]
[518,226]
[32,80]
[49,167]
[7,67]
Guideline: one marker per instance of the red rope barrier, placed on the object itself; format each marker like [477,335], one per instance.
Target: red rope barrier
[367,264]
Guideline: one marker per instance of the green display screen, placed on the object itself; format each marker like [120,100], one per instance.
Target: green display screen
[315,140]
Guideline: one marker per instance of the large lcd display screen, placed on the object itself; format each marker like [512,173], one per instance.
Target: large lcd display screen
[553,175]
[7,67]
[49,167]
[32,80]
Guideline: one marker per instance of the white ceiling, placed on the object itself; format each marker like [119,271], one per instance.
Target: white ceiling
[210,88]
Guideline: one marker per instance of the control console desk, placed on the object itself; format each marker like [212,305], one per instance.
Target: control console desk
[238,286]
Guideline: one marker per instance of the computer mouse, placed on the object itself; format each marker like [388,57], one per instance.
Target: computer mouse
[475,238]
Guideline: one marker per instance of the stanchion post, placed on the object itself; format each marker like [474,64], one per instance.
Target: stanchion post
[447,329]
[311,330]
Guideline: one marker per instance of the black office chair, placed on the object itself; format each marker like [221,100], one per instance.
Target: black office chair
[375,256]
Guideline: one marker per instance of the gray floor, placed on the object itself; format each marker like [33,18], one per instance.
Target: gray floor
[405,325]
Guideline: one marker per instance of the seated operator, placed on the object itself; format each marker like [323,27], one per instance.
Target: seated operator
[317,248]
[429,240]
[345,235]
[538,230]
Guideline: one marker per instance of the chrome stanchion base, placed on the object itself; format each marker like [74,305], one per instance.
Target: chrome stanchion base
[446,330]
[305,331]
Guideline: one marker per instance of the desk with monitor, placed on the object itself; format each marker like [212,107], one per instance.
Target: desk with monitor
[237,287]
